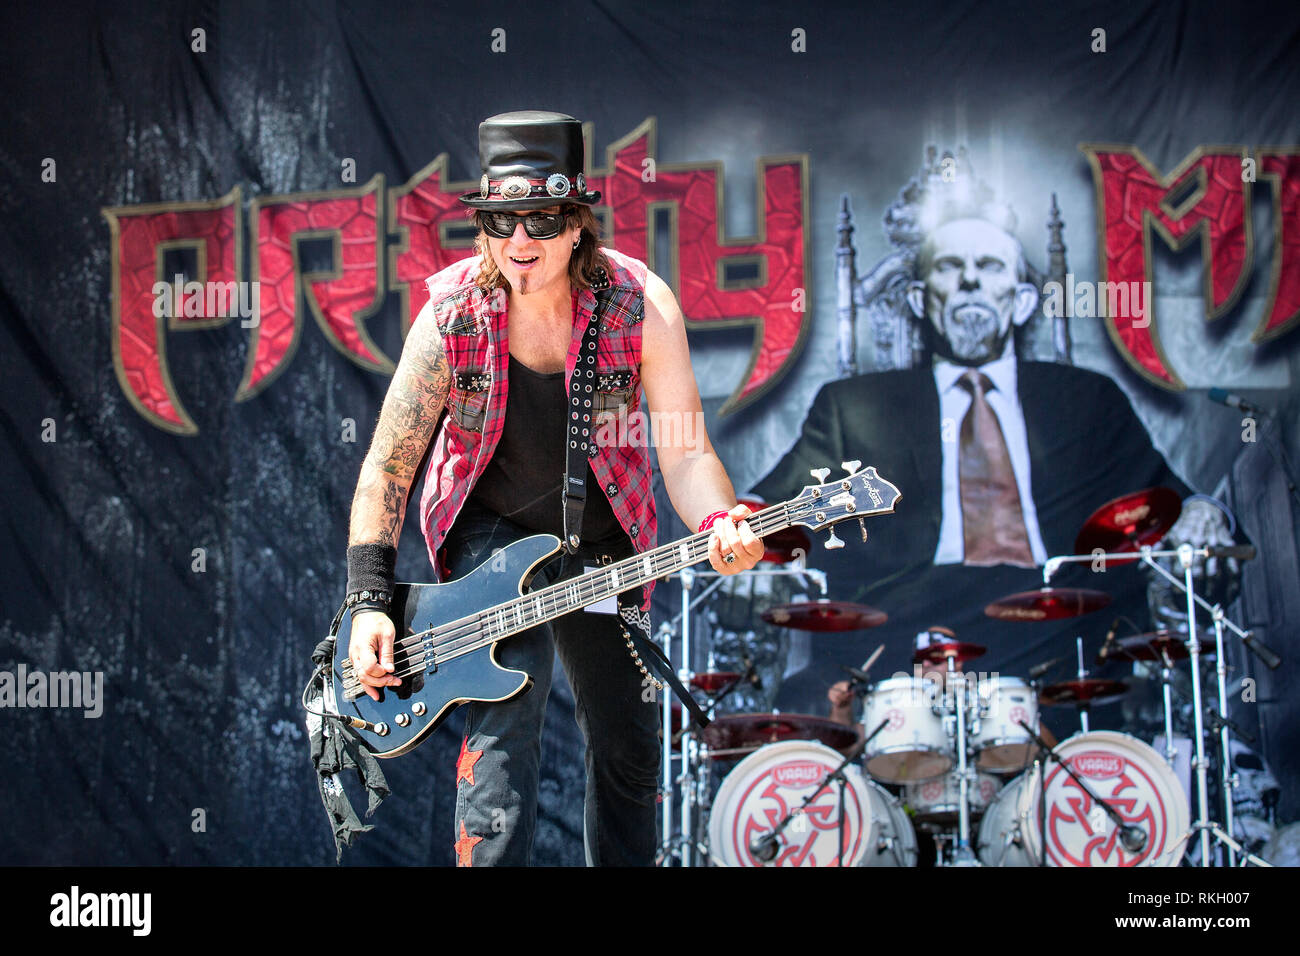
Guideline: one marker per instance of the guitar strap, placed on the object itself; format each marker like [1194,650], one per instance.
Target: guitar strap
[579,438]
[581,443]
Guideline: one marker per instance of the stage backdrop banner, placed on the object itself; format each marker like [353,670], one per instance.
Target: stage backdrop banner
[217,225]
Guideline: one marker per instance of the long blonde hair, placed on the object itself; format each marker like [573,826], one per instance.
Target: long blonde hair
[584,265]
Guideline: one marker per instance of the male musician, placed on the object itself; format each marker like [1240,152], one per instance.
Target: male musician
[1000,461]
[501,348]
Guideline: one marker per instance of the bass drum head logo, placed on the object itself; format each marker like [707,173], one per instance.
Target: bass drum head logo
[769,783]
[1133,779]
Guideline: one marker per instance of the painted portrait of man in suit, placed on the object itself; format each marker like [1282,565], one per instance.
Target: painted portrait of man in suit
[1000,462]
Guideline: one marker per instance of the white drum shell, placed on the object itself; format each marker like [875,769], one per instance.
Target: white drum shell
[912,746]
[1001,744]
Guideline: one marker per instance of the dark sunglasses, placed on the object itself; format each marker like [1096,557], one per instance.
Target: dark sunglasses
[538,225]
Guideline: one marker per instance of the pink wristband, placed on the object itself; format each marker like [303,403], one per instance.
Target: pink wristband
[707,523]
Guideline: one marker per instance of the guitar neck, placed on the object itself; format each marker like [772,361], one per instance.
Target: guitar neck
[559,599]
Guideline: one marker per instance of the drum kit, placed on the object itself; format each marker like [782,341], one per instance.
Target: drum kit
[949,766]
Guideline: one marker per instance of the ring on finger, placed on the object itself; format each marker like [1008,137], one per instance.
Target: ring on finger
[730,558]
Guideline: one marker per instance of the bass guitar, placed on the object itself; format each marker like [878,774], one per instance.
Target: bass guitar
[445,653]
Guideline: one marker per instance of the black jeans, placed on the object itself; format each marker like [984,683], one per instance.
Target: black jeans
[616,710]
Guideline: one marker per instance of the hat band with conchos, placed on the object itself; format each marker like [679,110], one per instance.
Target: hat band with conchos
[514,188]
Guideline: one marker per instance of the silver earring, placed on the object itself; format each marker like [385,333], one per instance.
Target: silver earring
[577,241]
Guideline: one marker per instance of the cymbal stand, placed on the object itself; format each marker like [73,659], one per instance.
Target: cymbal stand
[1227,780]
[1083,705]
[963,854]
[1185,554]
[1166,679]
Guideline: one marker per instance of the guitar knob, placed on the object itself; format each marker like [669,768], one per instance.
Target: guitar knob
[851,466]
[418,707]
[402,719]
[833,543]
[821,474]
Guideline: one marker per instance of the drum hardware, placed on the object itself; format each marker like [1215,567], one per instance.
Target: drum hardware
[963,852]
[765,848]
[689,781]
[1185,555]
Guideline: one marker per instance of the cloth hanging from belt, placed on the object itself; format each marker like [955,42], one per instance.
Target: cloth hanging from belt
[334,749]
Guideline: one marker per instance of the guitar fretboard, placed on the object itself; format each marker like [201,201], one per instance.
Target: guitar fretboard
[559,599]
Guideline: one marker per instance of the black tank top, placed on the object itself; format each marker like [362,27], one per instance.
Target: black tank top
[522,481]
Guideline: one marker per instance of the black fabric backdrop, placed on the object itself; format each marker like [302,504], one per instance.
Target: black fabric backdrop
[203,670]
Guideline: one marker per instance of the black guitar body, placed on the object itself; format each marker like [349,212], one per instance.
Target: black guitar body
[418,705]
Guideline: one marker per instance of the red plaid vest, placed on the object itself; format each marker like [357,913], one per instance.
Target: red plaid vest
[473,324]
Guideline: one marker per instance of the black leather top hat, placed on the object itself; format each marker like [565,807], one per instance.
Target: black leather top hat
[530,159]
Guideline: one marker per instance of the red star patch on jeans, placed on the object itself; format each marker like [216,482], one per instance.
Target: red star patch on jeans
[465,846]
[465,763]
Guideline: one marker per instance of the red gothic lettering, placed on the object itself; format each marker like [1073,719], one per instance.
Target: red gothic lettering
[1132,201]
[141,235]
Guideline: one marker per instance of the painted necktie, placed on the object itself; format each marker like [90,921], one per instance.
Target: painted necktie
[992,523]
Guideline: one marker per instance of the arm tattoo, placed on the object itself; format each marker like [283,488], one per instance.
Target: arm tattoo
[411,408]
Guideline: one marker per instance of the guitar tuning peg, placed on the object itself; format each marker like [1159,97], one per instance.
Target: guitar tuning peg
[833,543]
[821,474]
[863,525]
[851,466]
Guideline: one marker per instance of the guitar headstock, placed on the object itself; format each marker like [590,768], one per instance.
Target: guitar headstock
[862,493]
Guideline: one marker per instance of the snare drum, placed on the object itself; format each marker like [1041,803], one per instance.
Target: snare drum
[1001,744]
[775,779]
[937,802]
[1119,769]
[912,746]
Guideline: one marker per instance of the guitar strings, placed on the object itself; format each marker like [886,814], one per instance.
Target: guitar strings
[468,634]
[465,635]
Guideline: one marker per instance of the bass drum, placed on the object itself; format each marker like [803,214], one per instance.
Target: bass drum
[775,779]
[1118,768]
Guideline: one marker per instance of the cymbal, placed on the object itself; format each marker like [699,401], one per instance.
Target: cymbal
[713,681]
[1129,522]
[961,651]
[735,734]
[780,546]
[1147,647]
[1047,604]
[825,616]
[1084,690]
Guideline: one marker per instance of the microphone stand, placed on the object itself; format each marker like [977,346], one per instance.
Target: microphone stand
[766,847]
